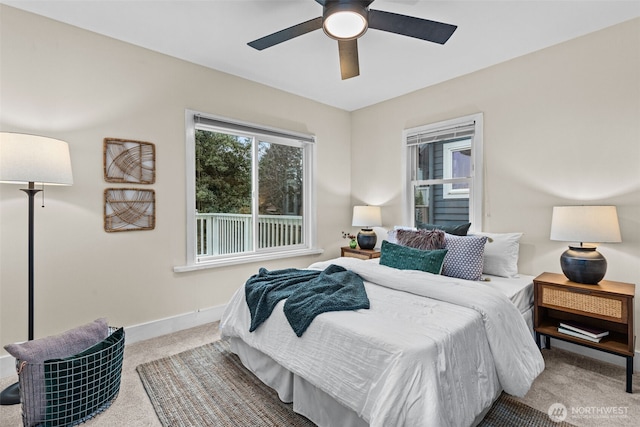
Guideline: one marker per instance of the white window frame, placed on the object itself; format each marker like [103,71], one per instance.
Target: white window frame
[309,194]
[448,192]
[476,184]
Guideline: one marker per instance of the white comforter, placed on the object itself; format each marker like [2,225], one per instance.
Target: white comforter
[408,360]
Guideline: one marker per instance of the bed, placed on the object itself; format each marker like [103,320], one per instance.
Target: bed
[431,350]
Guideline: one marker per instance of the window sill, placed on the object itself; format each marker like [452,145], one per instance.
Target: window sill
[244,259]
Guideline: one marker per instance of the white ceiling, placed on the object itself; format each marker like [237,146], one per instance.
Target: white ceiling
[215,33]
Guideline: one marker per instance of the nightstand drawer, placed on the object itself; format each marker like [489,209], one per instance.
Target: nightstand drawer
[356,255]
[583,301]
[346,251]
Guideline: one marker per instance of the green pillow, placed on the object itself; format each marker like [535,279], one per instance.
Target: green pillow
[455,229]
[406,258]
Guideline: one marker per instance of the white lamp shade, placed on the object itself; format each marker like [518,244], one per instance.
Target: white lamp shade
[591,224]
[367,216]
[30,158]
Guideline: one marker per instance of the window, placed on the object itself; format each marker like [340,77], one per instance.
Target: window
[443,169]
[456,158]
[250,192]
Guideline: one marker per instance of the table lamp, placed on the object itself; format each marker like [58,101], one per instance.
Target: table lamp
[593,224]
[367,217]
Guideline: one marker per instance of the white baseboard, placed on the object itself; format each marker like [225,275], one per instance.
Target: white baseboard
[156,328]
[144,331]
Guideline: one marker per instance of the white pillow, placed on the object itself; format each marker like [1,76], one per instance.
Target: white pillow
[501,254]
[381,234]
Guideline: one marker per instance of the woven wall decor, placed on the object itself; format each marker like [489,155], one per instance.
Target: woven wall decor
[129,161]
[129,209]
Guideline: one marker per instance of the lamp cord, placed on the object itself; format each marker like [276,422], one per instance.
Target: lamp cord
[42,183]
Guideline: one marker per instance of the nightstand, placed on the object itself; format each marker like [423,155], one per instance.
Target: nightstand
[607,305]
[346,251]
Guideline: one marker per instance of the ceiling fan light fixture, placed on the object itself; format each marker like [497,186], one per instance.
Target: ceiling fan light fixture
[343,21]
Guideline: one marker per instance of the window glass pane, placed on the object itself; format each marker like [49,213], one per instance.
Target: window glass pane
[443,160]
[461,166]
[223,193]
[429,161]
[457,164]
[280,195]
[422,203]
[431,207]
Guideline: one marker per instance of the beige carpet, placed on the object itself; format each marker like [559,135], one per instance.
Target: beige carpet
[592,391]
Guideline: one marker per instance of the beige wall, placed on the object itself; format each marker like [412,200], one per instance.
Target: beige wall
[67,83]
[561,126]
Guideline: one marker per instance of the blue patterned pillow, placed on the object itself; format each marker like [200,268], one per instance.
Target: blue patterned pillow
[406,258]
[464,258]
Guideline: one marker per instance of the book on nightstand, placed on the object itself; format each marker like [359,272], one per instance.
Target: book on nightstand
[578,335]
[584,330]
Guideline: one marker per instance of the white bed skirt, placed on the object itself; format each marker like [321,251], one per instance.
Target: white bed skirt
[308,400]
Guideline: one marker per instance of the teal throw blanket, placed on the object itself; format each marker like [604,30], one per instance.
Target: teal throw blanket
[308,293]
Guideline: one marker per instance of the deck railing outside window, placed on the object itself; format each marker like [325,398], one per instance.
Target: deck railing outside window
[220,234]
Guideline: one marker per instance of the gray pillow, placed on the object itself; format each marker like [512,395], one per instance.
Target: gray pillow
[35,352]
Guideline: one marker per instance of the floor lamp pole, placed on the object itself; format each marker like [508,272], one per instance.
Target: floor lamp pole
[31,192]
[11,395]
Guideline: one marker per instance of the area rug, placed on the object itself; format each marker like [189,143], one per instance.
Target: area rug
[209,386]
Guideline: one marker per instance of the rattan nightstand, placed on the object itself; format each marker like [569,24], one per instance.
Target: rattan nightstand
[607,305]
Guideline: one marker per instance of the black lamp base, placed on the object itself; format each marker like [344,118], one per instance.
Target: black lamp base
[583,264]
[10,395]
[367,238]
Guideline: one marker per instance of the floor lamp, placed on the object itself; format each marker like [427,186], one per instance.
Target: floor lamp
[30,159]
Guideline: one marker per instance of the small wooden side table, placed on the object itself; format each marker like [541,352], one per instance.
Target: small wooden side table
[346,251]
[607,305]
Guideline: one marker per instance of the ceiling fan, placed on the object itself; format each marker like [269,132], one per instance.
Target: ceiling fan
[347,20]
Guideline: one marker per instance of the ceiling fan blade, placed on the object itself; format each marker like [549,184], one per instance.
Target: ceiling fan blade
[348,50]
[287,34]
[432,31]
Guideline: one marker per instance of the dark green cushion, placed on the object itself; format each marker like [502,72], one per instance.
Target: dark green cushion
[406,258]
[455,229]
